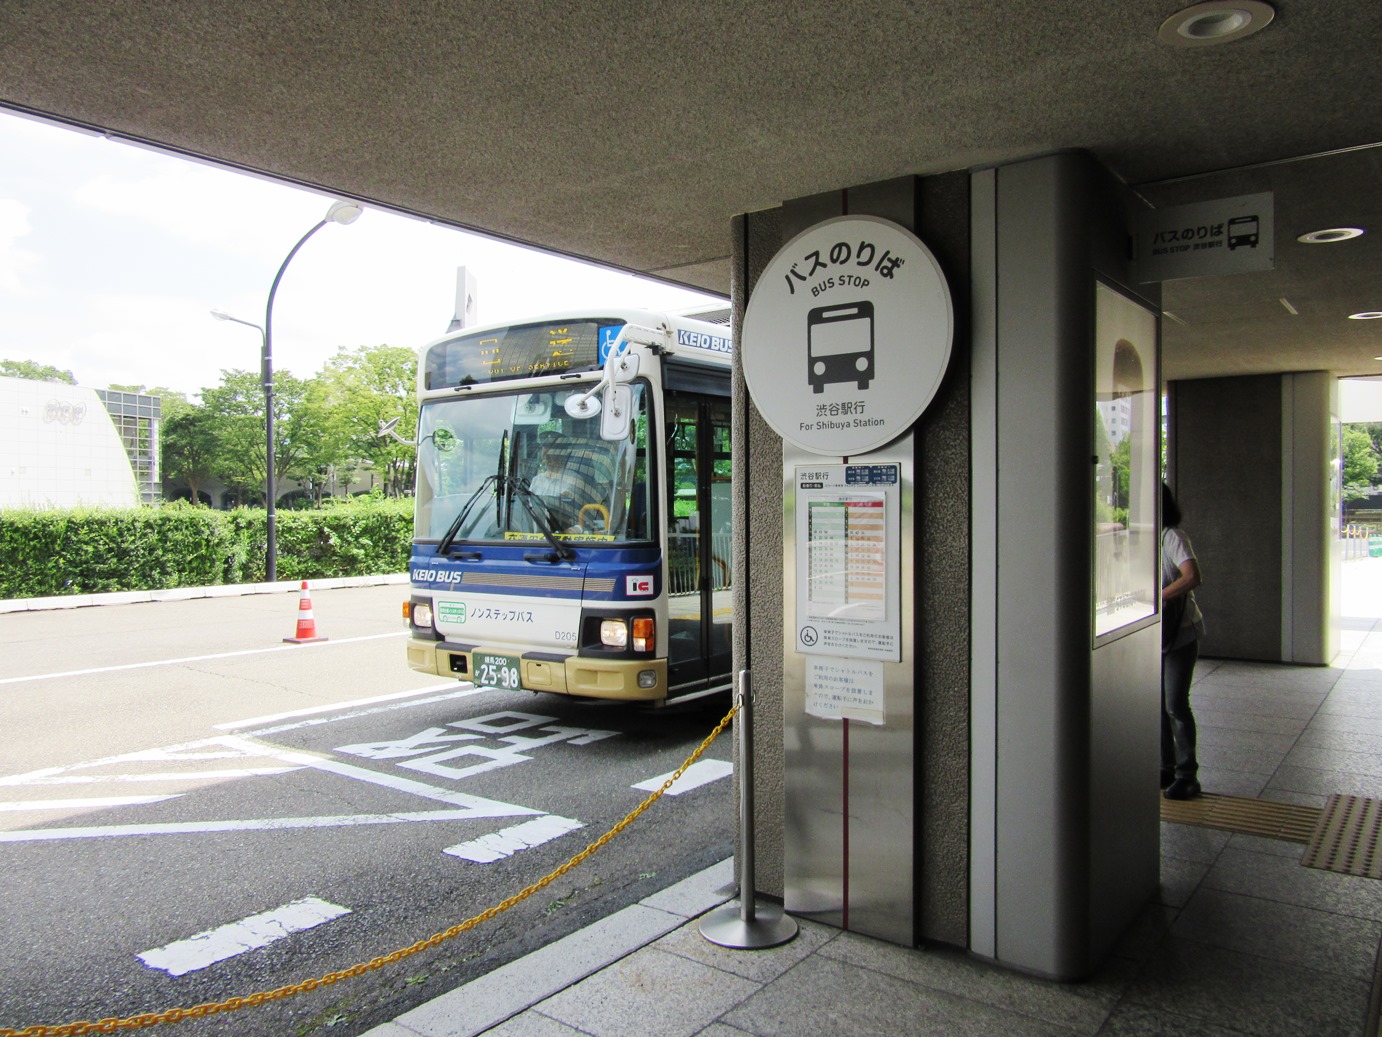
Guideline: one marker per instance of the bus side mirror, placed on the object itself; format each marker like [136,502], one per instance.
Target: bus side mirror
[617,409]
[617,402]
[616,414]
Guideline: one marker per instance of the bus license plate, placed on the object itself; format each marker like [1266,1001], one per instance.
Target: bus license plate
[496,671]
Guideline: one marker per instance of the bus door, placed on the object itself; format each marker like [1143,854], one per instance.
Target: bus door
[699,573]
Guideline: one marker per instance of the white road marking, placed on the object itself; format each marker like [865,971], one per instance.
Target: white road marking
[82,804]
[196,658]
[242,746]
[506,842]
[465,692]
[207,948]
[185,752]
[469,807]
[698,774]
[355,704]
[115,779]
[481,807]
[268,824]
[443,746]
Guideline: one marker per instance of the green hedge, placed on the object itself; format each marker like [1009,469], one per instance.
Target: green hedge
[90,550]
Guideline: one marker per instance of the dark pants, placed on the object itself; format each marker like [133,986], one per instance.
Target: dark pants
[1177,722]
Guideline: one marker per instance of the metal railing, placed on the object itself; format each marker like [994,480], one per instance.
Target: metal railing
[1361,540]
[684,562]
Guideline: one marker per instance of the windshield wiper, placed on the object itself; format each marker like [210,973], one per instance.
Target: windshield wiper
[445,544]
[525,497]
[499,489]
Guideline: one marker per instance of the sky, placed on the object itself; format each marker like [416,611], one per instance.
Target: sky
[112,257]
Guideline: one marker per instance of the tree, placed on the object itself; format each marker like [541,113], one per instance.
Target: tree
[1122,474]
[313,440]
[237,408]
[35,372]
[325,428]
[1360,462]
[191,448]
[236,411]
[363,387]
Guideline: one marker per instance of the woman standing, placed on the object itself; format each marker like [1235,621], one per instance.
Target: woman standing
[1181,628]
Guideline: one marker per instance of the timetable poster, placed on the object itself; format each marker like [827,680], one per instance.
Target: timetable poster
[848,561]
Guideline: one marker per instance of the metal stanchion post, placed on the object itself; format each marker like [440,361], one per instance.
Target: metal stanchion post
[748,926]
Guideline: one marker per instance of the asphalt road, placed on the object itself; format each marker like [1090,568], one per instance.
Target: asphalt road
[191,810]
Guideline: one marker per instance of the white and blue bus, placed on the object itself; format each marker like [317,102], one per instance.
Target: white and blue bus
[572,530]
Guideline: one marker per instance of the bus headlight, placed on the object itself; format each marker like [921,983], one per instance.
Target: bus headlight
[614,633]
[422,615]
[628,634]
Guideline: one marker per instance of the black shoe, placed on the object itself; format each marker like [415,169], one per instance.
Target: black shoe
[1167,777]
[1182,788]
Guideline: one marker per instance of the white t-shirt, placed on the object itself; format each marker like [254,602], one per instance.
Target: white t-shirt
[1175,551]
[548,484]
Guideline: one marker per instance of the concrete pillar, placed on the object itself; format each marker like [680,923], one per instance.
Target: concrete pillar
[1253,461]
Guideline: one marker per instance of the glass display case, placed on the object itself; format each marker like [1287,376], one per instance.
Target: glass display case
[1126,463]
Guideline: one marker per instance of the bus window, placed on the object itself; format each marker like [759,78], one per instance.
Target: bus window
[481,463]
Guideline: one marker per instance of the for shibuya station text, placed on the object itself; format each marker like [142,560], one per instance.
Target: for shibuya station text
[836,416]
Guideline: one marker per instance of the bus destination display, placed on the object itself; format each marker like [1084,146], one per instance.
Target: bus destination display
[518,352]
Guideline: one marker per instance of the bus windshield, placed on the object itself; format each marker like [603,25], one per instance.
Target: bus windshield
[516,467]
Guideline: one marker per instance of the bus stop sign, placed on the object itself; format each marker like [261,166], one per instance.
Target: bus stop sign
[847,335]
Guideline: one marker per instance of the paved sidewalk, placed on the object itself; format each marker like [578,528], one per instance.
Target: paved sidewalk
[232,590]
[510,991]
[1241,940]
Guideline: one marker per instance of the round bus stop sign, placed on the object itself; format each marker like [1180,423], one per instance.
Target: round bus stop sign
[847,335]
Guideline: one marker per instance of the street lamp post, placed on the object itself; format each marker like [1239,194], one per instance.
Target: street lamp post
[341,212]
[263,366]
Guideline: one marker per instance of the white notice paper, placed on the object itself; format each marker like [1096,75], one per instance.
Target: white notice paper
[844,689]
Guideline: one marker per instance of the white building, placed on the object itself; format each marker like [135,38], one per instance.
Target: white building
[59,448]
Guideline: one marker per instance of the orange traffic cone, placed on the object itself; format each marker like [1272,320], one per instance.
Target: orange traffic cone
[307,626]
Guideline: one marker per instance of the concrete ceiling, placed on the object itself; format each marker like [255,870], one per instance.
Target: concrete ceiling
[631,132]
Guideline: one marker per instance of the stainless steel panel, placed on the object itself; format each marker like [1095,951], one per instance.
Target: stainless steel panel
[850,818]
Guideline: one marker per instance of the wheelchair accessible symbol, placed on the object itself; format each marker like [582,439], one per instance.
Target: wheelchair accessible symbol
[809,636]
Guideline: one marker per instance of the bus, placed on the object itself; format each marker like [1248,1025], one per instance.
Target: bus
[572,524]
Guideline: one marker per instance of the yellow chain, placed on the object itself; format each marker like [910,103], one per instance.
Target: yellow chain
[177,1015]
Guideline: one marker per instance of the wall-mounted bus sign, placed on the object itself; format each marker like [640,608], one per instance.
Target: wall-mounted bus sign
[847,335]
[1206,239]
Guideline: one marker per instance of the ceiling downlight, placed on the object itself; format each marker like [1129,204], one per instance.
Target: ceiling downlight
[1330,235]
[1219,21]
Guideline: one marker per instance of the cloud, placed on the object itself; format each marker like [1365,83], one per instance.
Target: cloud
[14,259]
[155,339]
[140,245]
[201,204]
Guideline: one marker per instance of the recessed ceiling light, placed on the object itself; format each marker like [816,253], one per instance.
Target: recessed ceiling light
[1366,315]
[1222,21]
[1329,235]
